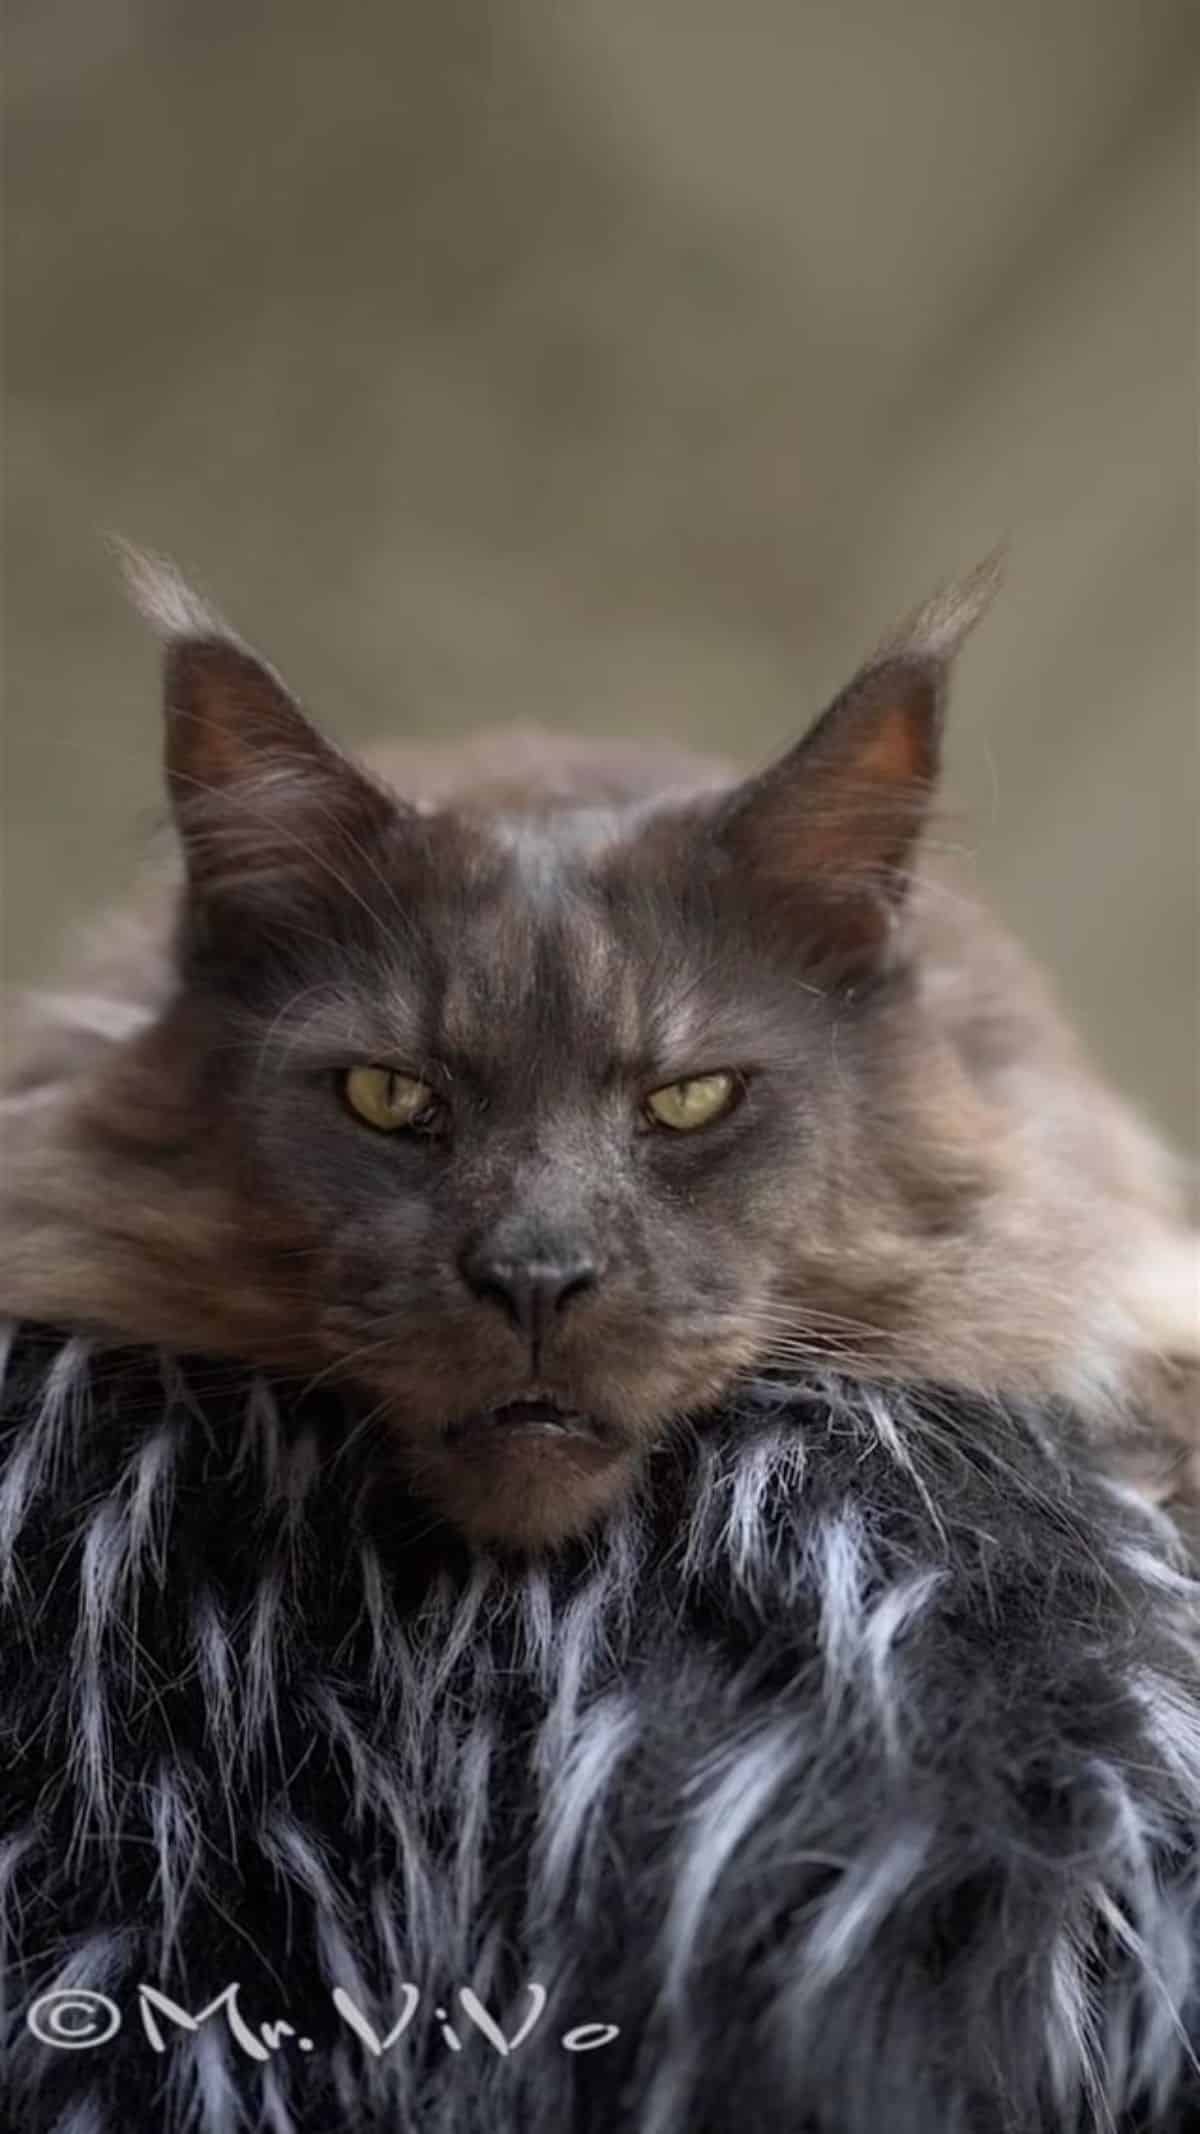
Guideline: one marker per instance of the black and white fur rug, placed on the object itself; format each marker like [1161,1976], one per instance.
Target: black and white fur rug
[848,1783]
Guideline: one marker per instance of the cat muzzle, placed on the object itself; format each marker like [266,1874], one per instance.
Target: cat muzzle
[529,1416]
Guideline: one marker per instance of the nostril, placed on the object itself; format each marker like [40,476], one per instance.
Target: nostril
[492,1290]
[573,1283]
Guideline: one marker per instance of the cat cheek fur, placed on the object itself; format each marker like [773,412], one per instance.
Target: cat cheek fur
[937,1186]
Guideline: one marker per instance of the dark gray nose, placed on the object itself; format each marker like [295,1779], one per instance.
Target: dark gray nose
[532,1293]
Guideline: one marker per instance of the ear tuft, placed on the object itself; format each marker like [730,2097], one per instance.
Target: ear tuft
[823,838]
[939,627]
[270,813]
[163,598]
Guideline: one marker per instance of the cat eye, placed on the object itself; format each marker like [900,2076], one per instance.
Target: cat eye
[389,1100]
[697,1101]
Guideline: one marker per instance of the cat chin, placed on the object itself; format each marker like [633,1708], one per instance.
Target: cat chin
[524,1489]
[541,1464]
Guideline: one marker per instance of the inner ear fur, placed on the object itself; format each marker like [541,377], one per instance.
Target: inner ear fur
[825,838]
[261,799]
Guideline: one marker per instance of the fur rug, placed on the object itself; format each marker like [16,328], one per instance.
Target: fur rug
[850,1781]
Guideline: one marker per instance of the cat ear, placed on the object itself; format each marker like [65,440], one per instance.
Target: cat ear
[265,806]
[827,833]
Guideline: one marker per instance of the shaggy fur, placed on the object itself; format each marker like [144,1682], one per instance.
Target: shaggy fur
[922,1177]
[852,1771]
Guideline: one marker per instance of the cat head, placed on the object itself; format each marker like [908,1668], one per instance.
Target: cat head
[544,1118]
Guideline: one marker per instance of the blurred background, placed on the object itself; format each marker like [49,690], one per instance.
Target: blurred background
[623,364]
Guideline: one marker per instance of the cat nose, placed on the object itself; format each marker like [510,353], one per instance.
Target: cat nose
[530,1292]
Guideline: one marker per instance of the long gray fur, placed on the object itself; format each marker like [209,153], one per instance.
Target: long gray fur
[852,1773]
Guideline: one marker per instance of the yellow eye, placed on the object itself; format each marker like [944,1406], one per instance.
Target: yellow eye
[683,1106]
[388,1100]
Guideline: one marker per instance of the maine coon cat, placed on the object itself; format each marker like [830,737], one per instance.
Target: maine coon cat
[537,1092]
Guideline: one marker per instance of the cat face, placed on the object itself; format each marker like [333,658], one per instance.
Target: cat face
[546,1259]
[542,1105]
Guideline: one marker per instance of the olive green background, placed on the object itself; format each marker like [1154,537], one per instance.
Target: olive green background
[621,364]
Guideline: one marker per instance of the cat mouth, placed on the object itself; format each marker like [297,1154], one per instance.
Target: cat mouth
[540,1416]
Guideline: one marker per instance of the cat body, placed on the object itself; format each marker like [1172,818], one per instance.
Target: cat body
[912,1171]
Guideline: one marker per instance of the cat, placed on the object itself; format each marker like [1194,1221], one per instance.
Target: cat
[536,1091]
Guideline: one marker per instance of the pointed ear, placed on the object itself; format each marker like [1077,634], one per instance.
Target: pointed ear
[267,809]
[825,836]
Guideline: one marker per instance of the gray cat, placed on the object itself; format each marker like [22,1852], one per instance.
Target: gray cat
[540,1091]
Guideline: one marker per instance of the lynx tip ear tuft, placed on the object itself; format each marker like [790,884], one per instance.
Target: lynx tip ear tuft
[937,629]
[162,597]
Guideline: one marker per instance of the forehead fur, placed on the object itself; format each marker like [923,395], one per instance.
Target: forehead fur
[545,950]
[518,949]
